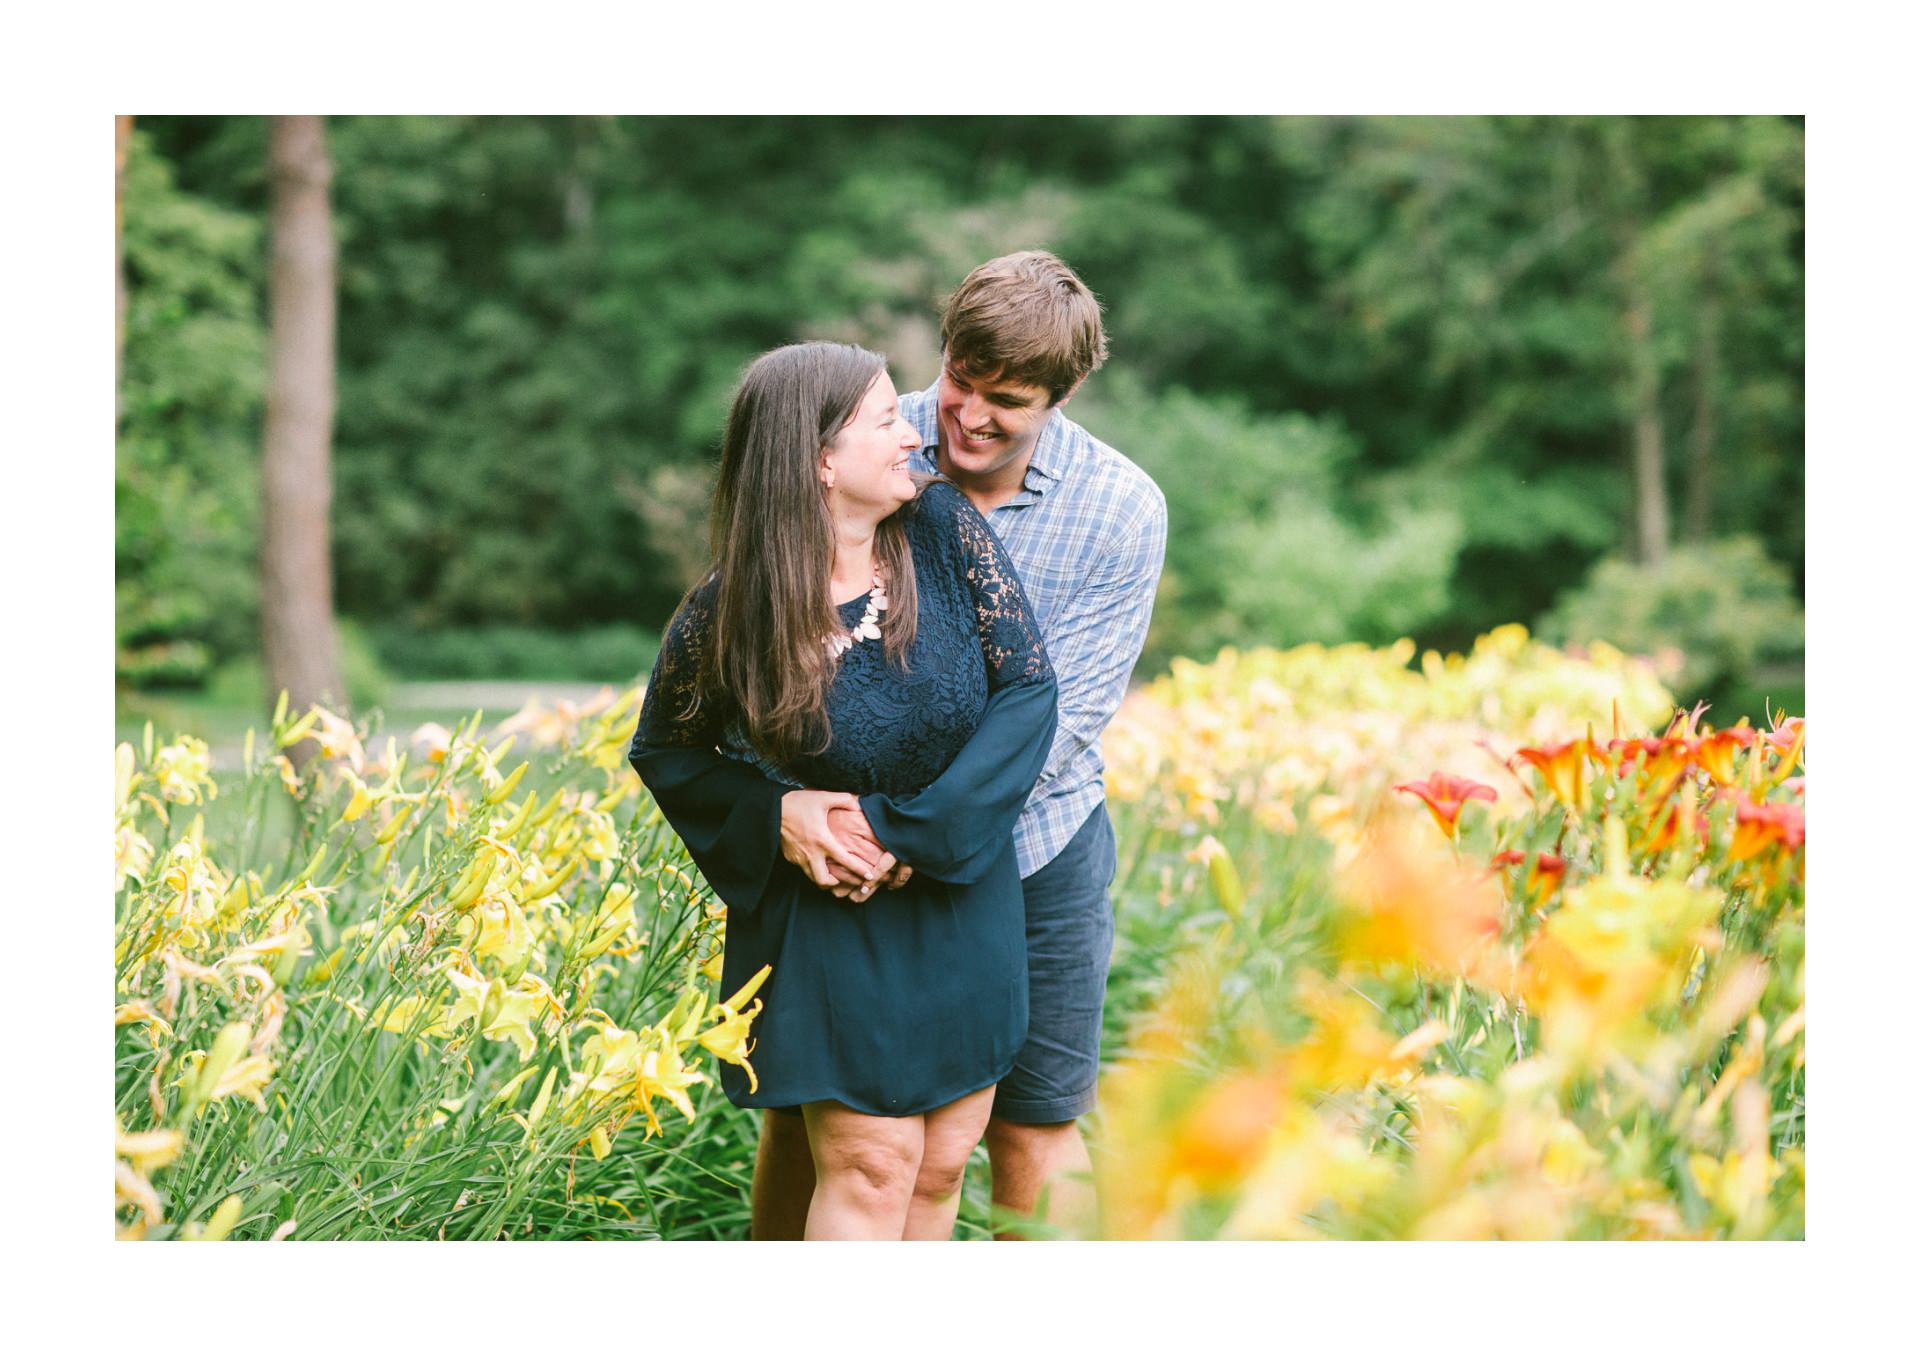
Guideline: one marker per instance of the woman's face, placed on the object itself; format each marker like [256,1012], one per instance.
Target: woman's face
[865,467]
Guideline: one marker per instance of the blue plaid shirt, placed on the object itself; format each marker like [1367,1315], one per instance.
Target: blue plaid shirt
[1088,534]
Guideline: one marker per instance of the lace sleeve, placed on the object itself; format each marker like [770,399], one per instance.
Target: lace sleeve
[725,811]
[668,718]
[1009,635]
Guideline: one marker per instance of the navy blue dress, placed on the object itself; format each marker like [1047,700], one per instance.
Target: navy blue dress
[918,996]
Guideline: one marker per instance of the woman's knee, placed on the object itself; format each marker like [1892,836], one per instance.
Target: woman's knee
[875,1161]
[952,1133]
[940,1176]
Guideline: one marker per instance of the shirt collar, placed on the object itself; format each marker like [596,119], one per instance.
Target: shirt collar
[1045,468]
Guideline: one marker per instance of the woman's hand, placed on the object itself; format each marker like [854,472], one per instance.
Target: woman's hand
[852,827]
[808,840]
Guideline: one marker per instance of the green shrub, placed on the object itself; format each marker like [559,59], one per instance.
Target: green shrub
[1273,535]
[1712,615]
[187,446]
[615,653]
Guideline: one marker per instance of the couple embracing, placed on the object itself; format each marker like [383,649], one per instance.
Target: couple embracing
[876,724]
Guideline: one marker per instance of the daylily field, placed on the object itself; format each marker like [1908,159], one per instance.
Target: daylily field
[1467,946]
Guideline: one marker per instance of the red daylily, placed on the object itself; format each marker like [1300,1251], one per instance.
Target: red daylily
[1543,877]
[1623,753]
[1546,873]
[1447,795]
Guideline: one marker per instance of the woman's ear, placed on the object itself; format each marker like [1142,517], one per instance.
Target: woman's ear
[826,474]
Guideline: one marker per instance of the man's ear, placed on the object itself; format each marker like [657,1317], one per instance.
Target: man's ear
[1070,393]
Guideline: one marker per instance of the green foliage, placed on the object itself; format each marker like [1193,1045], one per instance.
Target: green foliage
[1265,539]
[185,484]
[1397,347]
[1721,609]
[615,653]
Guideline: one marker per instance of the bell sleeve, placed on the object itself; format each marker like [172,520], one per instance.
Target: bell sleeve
[959,825]
[726,811]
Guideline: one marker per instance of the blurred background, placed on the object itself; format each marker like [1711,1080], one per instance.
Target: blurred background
[1397,376]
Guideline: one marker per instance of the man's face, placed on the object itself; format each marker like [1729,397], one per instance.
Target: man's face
[988,428]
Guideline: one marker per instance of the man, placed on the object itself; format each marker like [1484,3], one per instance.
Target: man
[1087,530]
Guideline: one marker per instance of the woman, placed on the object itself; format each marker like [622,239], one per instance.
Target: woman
[870,641]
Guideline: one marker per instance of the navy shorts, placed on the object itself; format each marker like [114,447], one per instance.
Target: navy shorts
[1069,949]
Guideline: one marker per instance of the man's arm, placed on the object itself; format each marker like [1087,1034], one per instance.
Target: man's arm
[1094,644]
[1097,635]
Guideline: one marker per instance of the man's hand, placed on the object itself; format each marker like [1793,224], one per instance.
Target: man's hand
[810,843]
[851,826]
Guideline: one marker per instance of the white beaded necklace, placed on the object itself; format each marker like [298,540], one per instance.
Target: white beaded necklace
[869,624]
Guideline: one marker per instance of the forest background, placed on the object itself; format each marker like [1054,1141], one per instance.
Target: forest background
[1397,376]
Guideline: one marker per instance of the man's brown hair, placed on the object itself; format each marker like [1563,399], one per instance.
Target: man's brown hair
[1024,317]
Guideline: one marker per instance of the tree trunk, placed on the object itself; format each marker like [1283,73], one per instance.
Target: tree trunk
[1649,440]
[1706,402]
[122,136]
[296,567]
[1642,394]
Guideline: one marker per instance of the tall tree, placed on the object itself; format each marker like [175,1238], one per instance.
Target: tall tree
[296,568]
[1706,409]
[122,137]
[1640,391]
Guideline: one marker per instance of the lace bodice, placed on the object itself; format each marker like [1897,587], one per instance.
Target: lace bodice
[893,732]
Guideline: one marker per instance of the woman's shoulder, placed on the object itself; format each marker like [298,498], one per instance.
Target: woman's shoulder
[940,500]
[696,608]
[942,513]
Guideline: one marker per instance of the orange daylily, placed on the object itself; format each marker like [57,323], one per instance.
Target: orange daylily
[1623,753]
[1228,1131]
[1447,795]
[1715,751]
[1788,734]
[1564,768]
[1758,827]
[1404,904]
[1787,738]
[1668,818]
[1543,877]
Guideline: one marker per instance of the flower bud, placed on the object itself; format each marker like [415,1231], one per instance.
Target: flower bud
[224,1218]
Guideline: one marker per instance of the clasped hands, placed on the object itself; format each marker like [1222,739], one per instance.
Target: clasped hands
[826,835]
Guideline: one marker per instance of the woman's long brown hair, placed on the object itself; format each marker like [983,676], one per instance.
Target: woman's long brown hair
[772,541]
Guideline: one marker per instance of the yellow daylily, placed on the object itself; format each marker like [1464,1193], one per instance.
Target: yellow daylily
[359,803]
[147,1150]
[183,772]
[141,1011]
[501,1013]
[638,1066]
[433,739]
[728,1039]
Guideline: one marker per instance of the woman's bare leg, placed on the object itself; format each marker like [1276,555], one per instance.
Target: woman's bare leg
[864,1169]
[951,1132]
